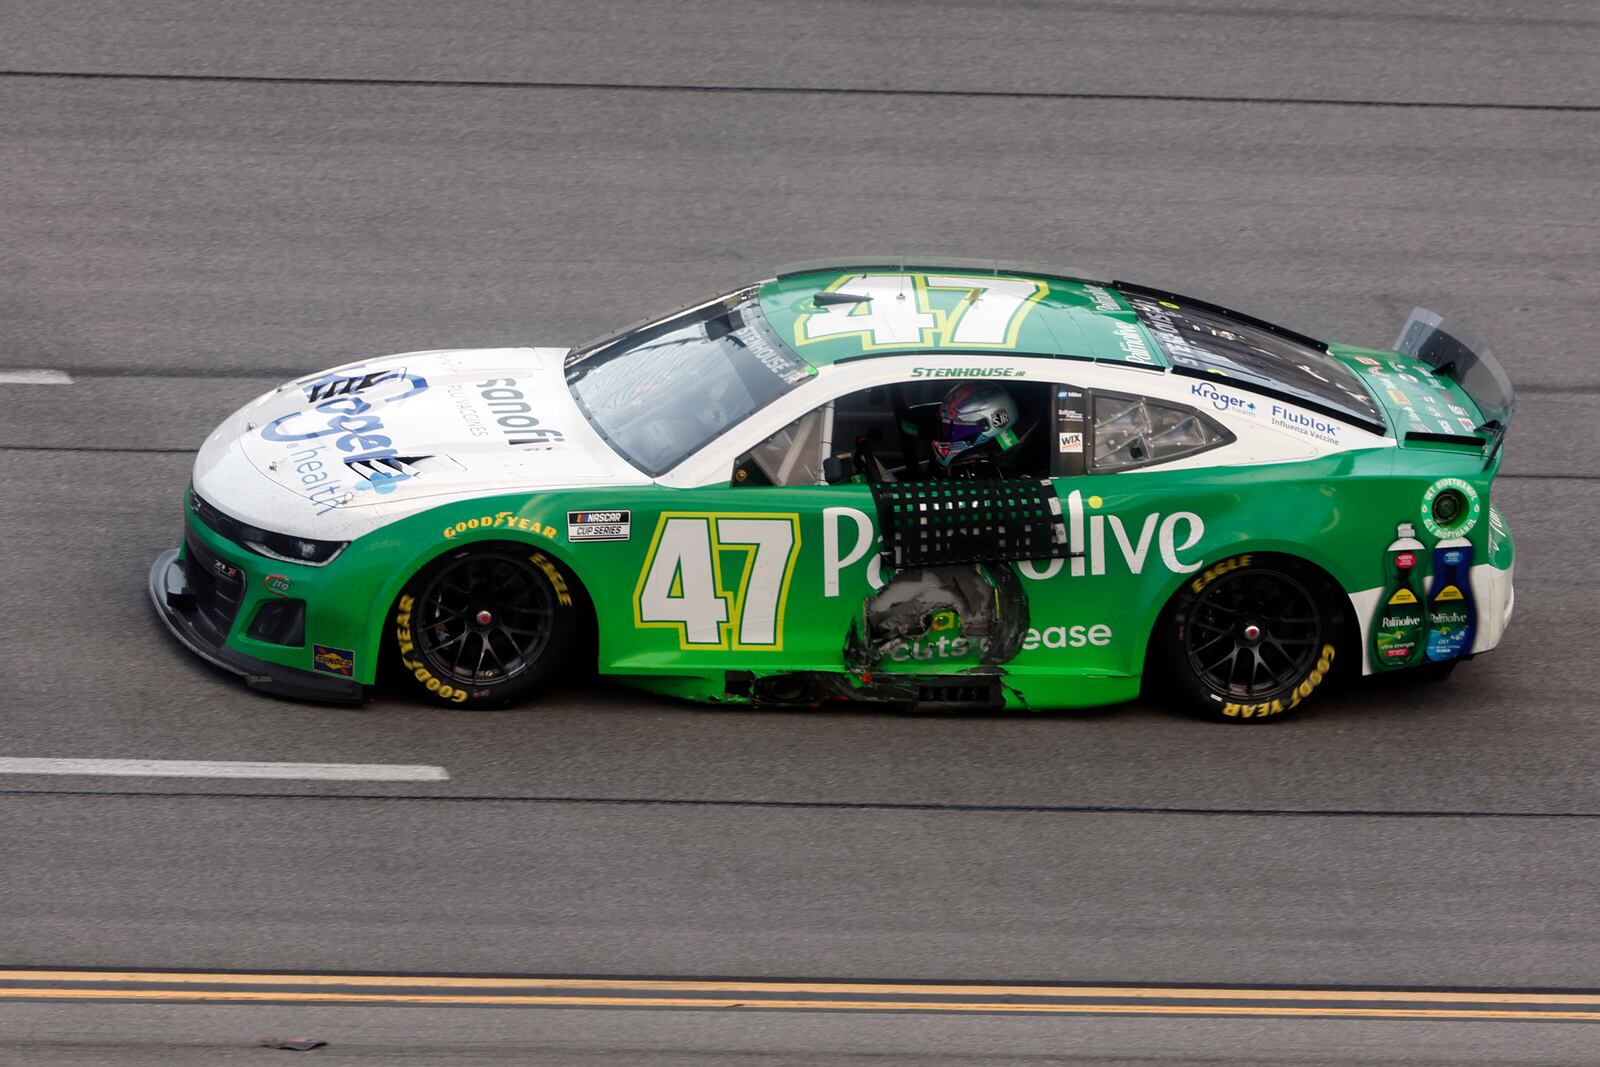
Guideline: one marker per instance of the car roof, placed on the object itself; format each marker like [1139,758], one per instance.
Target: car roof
[1064,314]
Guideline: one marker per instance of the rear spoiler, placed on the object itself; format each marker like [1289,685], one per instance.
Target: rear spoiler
[1469,364]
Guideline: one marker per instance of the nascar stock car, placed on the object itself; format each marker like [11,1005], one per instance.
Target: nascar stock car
[926,485]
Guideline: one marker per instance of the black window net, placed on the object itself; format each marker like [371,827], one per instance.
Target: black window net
[982,520]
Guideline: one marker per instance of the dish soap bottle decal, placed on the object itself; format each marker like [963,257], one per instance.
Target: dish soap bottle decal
[1398,628]
[1452,617]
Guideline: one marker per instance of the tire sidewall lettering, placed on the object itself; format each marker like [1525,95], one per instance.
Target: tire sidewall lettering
[403,641]
[1297,693]
[558,581]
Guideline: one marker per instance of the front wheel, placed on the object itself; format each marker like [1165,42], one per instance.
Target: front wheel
[484,626]
[1251,638]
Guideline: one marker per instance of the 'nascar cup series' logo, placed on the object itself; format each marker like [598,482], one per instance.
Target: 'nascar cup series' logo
[346,413]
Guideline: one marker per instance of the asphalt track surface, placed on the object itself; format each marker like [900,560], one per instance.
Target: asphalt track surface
[199,200]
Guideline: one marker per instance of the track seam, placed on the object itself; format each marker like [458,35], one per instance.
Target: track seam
[110,973]
[819,805]
[801,90]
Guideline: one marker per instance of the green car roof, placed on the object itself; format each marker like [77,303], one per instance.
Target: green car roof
[889,308]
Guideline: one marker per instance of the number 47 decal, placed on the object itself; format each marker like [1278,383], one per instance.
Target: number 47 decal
[684,583]
[897,311]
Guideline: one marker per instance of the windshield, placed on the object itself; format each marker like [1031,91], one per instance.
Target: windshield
[660,393]
[1197,339]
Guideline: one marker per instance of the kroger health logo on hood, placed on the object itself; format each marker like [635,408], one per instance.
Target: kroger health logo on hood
[348,410]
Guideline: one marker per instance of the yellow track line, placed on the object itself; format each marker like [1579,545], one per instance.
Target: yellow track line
[757,988]
[425,1000]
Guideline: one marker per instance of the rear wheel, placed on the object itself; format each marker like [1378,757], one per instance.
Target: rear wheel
[485,626]
[1252,638]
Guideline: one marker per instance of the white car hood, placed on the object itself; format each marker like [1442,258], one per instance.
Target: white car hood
[339,453]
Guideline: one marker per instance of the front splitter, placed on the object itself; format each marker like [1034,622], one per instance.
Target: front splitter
[169,592]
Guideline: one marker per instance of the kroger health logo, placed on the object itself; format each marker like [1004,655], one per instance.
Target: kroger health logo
[349,414]
[1220,400]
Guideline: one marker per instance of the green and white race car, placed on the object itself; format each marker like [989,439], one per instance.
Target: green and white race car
[926,485]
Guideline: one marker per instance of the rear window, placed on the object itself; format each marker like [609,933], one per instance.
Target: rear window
[1135,431]
[1199,340]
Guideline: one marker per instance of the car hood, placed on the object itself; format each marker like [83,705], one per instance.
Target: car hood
[337,453]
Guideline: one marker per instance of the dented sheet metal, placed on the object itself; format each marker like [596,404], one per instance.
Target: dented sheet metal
[968,615]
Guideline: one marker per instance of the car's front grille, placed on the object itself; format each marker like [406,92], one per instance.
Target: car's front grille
[217,585]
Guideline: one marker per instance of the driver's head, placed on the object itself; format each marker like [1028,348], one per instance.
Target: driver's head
[975,419]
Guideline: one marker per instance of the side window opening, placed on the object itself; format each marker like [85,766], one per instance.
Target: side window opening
[885,434]
[792,456]
[1135,431]
[854,429]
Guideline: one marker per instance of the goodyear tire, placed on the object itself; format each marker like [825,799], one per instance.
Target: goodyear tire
[1252,638]
[485,626]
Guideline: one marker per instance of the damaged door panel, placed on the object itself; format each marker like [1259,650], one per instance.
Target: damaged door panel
[954,597]
[960,616]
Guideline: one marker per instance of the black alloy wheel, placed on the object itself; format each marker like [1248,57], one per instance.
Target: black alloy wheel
[1251,632]
[482,627]
[1252,638]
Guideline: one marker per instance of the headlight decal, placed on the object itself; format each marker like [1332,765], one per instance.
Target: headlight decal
[282,547]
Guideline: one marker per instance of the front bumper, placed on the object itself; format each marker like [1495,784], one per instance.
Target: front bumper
[175,602]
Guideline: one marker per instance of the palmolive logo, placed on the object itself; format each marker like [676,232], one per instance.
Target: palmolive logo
[1100,542]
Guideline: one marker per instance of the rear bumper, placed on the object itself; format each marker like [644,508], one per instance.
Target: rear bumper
[1496,597]
[1491,590]
[174,601]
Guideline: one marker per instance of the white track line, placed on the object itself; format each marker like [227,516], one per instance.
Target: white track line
[35,377]
[182,768]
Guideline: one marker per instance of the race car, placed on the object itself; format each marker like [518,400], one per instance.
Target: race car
[920,484]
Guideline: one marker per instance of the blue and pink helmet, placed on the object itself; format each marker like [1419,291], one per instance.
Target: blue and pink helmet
[970,416]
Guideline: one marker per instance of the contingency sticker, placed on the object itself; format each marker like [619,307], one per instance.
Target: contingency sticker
[598,525]
[330,660]
[1070,433]
[1464,521]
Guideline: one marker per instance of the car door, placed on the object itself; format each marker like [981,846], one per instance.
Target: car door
[786,565]
[763,570]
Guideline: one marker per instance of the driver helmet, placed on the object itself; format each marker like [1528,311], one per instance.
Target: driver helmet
[974,420]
